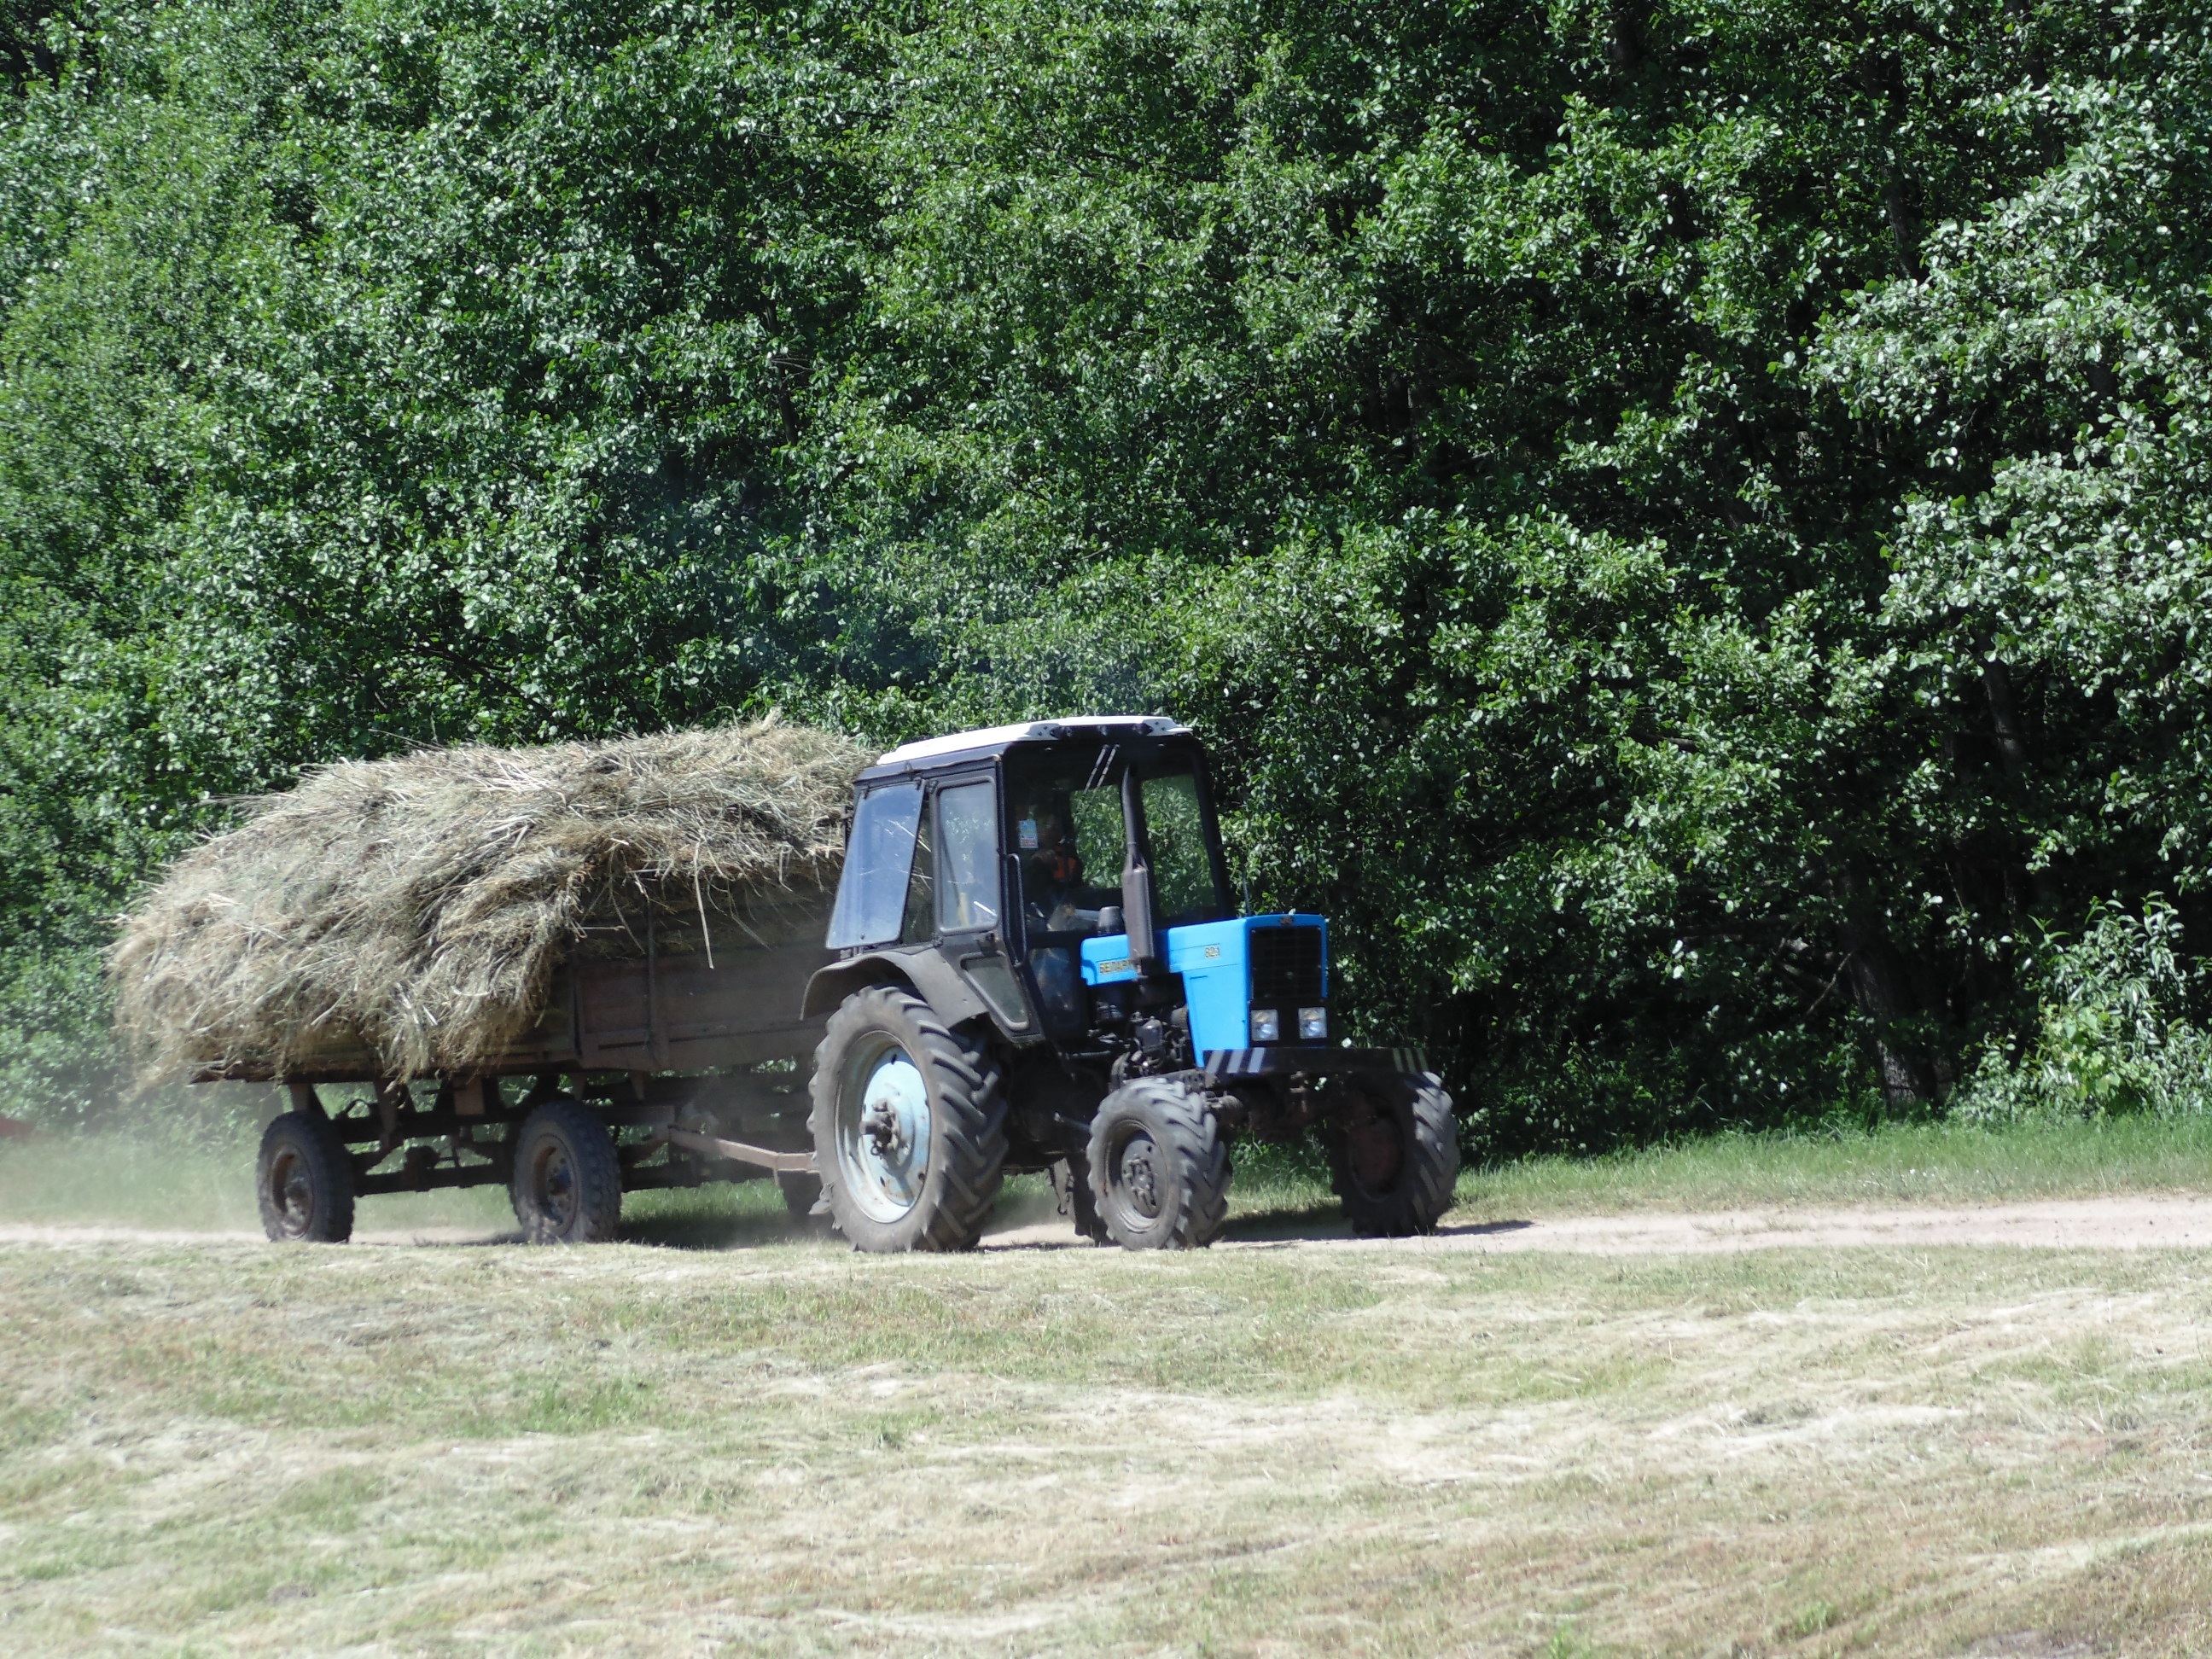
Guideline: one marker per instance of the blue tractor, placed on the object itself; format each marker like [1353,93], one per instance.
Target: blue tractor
[1039,969]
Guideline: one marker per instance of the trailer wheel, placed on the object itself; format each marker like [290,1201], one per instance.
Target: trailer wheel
[306,1181]
[1393,1151]
[1159,1170]
[909,1125]
[566,1185]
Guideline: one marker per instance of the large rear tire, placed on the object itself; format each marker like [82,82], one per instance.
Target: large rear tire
[1393,1151]
[306,1182]
[1159,1170]
[909,1125]
[567,1187]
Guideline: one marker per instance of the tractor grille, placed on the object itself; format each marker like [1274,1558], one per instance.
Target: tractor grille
[1285,970]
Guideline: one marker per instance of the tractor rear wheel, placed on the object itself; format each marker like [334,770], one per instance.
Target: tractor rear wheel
[305,1182]
[1393,1151]
[567,1187]
[909,1125]
[1159,1170]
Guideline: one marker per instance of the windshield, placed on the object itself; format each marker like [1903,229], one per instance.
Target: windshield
[1182,872]
[1068,830]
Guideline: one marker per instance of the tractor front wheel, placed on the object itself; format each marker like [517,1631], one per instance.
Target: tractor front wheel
[1393,1151]
[1159,1170]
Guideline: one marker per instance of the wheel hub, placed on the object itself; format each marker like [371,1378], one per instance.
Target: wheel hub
[556,1188]
[884,1138]
[885,1130]
[295,1199]
[1138,1179]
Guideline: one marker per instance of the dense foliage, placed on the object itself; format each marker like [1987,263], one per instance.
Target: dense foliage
[1687,524]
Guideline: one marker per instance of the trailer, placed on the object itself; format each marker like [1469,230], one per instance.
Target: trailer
[668,1071]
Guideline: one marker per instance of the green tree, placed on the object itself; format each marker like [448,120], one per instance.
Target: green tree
[1683,523]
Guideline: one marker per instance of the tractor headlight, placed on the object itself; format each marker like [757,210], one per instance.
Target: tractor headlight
[1313,1023]
[1266,1025]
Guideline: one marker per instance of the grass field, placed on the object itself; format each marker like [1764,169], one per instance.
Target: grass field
[208,1445]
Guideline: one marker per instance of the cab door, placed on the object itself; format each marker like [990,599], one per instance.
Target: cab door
[971,898]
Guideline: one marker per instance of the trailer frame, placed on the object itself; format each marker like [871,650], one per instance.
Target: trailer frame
[694,1064]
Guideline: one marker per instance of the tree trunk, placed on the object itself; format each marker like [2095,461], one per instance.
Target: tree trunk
[1881,989]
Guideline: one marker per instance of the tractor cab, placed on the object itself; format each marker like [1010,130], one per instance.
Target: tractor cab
[1052,897]
[1071,873]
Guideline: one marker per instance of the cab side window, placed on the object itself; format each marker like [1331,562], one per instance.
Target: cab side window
[967,858]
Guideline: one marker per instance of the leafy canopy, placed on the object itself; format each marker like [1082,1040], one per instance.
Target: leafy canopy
[1685,524]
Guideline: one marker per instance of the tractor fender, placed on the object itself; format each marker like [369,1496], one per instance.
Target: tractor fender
[922,971]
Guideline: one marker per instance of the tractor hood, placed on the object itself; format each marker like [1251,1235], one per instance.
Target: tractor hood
[1228,969]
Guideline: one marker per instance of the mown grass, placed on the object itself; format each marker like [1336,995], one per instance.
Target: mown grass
[226,1446]
[732,1434]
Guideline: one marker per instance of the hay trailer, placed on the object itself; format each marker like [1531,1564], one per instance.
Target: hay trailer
[575,970]
[672,1070]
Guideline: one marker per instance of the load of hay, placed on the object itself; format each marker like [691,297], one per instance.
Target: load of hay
[414,911]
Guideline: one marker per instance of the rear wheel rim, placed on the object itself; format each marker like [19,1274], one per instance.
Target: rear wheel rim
[291,1193]
[553,1186]
[883,1124]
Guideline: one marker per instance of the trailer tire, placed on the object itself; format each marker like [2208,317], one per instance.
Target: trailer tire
[305,1179]
[566,1185]
[1394,1153]
[909,1125]
[1159,1170]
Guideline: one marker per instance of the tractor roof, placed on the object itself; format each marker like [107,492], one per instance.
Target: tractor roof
[997,739]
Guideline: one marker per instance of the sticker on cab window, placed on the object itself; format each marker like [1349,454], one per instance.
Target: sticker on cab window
[1028,836]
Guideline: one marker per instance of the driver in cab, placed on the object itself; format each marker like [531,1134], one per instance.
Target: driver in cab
[1052,888]
[1052,871]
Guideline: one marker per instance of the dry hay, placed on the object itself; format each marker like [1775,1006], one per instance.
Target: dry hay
[416,910]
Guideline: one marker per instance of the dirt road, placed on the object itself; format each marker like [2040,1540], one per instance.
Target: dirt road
[2132,1222]
[2121,1223]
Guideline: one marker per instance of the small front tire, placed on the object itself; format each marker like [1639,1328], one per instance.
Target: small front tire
[1394,1153]
[306,1182]
[567,1186]
[1159,1170]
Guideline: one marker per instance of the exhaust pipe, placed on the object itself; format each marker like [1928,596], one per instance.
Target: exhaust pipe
[1137,884]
